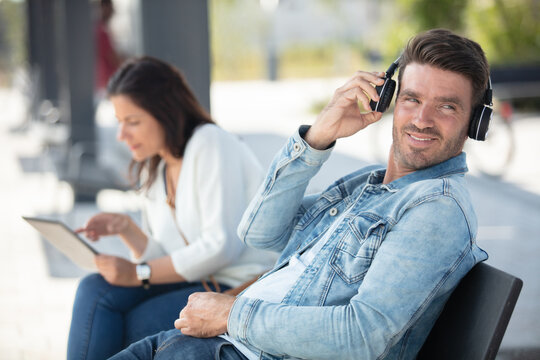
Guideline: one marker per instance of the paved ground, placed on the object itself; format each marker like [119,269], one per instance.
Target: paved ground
[38,286]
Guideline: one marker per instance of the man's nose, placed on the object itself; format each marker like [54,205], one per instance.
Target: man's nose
[424,117]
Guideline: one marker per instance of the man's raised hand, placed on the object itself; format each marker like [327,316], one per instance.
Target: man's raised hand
[342,116]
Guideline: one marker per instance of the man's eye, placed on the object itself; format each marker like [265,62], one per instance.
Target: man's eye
[449,107]
[412,100]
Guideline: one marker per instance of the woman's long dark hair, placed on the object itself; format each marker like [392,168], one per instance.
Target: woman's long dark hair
[161,90]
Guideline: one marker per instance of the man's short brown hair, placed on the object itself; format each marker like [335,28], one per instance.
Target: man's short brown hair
[446,50]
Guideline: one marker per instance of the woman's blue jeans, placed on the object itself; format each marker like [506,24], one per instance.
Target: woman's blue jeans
[107,318]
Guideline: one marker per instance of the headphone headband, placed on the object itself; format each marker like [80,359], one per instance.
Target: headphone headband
[488,96]
[392,69]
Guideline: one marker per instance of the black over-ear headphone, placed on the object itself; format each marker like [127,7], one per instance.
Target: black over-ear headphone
[480,116]
[386,90]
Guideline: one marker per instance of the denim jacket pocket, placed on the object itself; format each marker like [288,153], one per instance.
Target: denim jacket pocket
[354,252]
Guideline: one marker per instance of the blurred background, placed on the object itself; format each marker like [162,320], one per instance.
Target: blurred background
[262,68]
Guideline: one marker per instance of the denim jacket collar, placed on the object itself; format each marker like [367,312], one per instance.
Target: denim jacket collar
[452,166]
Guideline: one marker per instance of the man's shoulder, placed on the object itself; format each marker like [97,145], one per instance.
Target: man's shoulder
[449,192]
[453,185]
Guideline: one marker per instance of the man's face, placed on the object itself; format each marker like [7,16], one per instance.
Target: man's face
[431,117]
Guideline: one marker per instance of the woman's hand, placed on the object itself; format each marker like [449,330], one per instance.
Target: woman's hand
[116,224]
[105,224]
[342,117]
[117,271]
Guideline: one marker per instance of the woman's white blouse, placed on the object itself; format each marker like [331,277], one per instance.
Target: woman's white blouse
[219,176]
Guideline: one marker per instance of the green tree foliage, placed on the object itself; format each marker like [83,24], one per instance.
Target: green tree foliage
[431,14]
[12,44]
[509,31]
[235,37]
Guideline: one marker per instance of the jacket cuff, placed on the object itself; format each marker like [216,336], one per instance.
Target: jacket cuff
[297,147]
[303,131]
[240,316]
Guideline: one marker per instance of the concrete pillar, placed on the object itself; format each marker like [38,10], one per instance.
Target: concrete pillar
[75,38]
[177,32]
[42,49]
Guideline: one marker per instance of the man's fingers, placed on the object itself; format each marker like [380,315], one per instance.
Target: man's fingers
[181,321]
[181,313]
[365,86]
[372,117]
[373,76]
[366,82]
[182,325]
[356,95]
[368,85]
[189,332]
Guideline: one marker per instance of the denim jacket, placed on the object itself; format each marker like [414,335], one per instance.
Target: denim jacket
[379,283]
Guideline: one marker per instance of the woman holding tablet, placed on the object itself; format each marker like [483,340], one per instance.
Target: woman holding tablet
[197,180]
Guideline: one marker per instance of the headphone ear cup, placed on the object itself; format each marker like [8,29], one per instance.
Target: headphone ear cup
[479,124]
[473,123]
[386,92]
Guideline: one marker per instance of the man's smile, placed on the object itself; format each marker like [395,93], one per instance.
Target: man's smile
[420,140]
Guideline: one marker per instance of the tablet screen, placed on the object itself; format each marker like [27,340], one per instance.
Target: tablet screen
[64,239]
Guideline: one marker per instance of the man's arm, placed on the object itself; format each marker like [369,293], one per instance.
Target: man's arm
[271,215]
[268,221]
[402,282]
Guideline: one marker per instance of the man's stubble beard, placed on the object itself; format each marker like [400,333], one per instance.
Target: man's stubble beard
[421,159]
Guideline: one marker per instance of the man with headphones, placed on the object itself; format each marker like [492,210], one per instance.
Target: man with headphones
[366,266]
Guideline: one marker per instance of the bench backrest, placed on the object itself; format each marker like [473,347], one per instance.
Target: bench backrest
[473,321]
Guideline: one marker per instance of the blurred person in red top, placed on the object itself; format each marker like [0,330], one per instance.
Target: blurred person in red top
[107,58]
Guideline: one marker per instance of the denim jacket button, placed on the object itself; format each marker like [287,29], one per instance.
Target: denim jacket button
[296,147]
[333,211]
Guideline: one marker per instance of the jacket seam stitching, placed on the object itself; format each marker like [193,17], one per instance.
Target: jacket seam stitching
[248,320]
